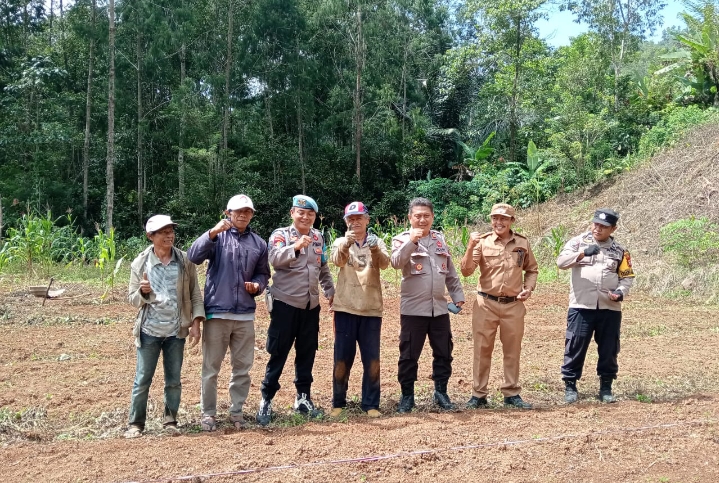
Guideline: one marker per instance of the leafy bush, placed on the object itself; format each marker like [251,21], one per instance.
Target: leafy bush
[672,126]
[692,242]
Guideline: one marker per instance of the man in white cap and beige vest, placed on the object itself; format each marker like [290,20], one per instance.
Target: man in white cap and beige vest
[237,272]
[358,309]
[508,275]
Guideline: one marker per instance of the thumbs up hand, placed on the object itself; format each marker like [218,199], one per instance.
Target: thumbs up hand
[145,284]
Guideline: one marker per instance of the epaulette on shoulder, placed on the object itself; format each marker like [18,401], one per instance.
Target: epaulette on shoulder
[485,235]
[520,235]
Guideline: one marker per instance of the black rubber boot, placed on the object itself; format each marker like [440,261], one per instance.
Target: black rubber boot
[605,390]
[570,391]
[406,403]
[441,398]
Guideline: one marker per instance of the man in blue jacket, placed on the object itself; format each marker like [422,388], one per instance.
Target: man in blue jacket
[237,271]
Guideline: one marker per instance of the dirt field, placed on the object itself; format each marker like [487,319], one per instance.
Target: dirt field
[66,372]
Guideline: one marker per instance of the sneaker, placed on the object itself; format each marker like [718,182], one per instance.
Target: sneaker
[304,405]
[477,402]
[336,412]
[374,413]
[570,392]
[517,402]
[264,414]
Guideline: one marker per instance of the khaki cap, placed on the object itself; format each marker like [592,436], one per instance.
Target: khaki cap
[502,209]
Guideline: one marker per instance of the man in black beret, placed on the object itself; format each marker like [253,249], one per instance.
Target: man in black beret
[601,277]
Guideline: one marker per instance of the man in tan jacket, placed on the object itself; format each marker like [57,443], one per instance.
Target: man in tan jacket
[163,286]
[358,309]
[508,275]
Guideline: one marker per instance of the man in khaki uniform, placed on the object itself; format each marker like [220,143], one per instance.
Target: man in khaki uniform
[602,275]
[358,309]
[502,256]
[423,256]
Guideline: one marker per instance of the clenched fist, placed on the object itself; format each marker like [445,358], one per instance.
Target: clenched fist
[302,242]
[415,234]
[223,225]
[591,250]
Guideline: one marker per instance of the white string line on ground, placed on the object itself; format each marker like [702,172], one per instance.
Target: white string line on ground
[419,452]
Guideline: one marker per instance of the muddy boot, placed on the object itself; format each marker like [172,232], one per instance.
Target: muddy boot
[570,391]
[406,404]
[605,390]
[441,398]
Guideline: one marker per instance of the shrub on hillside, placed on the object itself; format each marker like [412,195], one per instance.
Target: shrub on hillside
[692,242]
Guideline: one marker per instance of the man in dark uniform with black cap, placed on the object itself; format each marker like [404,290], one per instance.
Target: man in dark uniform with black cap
[601,277]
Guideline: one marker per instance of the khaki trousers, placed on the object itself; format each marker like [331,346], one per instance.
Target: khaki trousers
[487,316]
[239,336]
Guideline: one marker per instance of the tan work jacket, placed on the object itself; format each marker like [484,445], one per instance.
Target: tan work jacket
[593,278]
[502,266]
[426,269]
[359,288]
[297,274]
[189,297]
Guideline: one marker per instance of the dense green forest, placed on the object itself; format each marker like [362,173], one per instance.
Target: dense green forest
[115,110]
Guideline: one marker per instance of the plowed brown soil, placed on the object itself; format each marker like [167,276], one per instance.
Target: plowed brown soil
[66,372]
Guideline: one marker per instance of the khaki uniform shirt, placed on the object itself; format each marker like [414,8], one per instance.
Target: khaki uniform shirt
[297,274]
[593,278]
[504,269]
[359,288]
[426,269]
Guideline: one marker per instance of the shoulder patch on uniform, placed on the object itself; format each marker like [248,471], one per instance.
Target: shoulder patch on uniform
[625,269]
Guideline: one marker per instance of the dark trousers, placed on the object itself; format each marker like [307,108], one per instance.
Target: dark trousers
[581,324]
[352,330]
[290,325]
[413,331]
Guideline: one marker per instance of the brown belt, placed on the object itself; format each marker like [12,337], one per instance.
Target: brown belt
[501,300]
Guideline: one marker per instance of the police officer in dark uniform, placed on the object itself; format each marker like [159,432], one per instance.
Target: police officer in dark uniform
[601,277]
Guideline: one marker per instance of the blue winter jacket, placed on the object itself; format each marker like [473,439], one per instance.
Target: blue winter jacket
[234,258]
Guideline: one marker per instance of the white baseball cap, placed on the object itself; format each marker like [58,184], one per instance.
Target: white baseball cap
[238,202]
[158,222]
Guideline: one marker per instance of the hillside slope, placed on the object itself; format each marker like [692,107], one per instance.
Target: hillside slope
[678,183]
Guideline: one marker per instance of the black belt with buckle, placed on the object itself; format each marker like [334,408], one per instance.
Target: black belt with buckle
[501,300]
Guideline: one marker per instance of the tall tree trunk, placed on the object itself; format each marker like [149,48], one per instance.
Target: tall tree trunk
[0,218]
[110,171]
[181,141]
[275,161]
[88,110]
[513,122]
[359,58]
[300,135]
[140,166]
[404,89]
[228,70]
